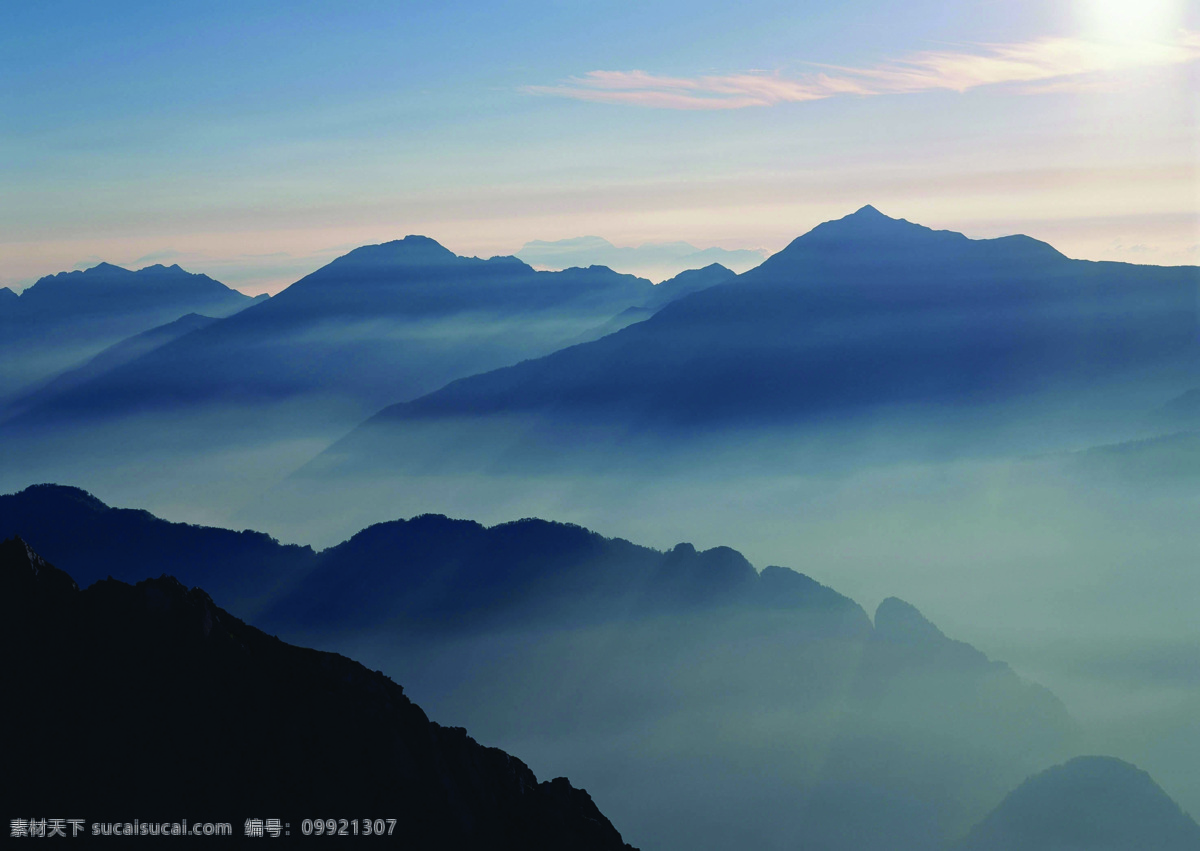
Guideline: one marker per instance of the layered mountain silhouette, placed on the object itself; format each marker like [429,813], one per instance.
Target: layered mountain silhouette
[557,637]
[62,320]
[111,358]
[150,693]
[911,772]
[686,283]
[427,574]
[859,315]
[1090,803]
[433,574]
[384,321]
[108,292]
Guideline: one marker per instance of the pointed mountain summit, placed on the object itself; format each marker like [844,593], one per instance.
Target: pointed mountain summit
[418,277]
[412,250]
[904,639]
[859,314]
[868,239]
[1091,803]
[899,622]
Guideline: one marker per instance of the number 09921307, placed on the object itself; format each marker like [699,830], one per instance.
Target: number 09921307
[348,827]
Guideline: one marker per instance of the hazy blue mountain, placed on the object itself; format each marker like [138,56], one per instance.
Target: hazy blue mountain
[231,409]
[251,725]
[8,300]
[62,320]
[1182,411]
[107,292]
[931,740]
[1091,803]
[114,356]
[1164,460]
[685,283]
[388,320]
[656,261]
[688,282]
[857,315]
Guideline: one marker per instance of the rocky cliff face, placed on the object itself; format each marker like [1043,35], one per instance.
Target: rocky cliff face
[149,701]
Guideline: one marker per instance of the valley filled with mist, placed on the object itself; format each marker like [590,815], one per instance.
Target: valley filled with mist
[886,542]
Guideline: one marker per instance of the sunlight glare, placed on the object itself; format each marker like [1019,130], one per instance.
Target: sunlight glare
[1131,20]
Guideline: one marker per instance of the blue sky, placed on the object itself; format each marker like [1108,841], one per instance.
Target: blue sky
[255,141]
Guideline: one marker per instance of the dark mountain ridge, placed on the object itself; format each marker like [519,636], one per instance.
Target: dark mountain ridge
[253,726]
[429,573]
[93,541]
[534,628]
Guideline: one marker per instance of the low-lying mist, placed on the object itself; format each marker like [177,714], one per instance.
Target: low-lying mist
[1074,564]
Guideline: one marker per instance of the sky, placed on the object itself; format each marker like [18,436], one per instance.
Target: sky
[257,141]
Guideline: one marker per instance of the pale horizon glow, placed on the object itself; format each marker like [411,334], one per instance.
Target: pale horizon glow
[256,148]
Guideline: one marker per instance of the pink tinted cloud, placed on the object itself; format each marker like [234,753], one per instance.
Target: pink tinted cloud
[1050,64]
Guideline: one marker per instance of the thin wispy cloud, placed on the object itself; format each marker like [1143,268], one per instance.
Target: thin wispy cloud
[1042,65]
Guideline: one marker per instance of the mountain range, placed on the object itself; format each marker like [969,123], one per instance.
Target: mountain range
[151,694]
[116,355]
[858,317]
[382,322]
[892,735]
[537,633]
[1000,433]
[62,320]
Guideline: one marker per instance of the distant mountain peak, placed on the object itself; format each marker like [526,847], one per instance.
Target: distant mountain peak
[866,236]
[413,250]
[656,261]
[159,268]
[1091,802]
[899,621]
[868,222]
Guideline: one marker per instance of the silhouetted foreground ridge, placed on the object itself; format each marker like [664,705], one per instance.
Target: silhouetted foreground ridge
[149,701]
